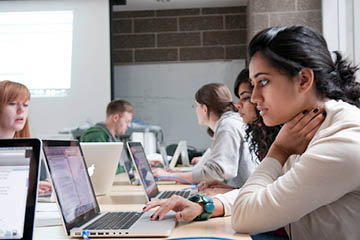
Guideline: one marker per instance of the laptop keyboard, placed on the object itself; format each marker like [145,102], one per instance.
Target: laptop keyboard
[115,220]
[168,194]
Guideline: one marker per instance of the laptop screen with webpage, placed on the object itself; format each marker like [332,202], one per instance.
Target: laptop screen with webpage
[71,181]
[143,168]
[19,171]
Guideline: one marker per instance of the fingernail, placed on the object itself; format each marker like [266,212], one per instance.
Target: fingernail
[324,114]
[304,112]
[315,110]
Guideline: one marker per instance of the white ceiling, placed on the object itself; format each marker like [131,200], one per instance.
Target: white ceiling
[176,4]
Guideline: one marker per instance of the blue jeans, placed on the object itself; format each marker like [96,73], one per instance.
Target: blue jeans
[268,236]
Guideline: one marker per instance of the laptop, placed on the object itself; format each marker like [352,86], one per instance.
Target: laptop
[78,205]
[181,150]
[163,154]
[125,158]
[19,171]
[102,159]
[146,177]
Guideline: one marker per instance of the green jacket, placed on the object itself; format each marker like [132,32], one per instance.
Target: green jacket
[100,133]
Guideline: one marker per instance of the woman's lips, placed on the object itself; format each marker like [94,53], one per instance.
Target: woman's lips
[19,120]
[262,110]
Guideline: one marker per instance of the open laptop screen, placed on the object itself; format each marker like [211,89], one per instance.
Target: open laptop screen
[71,182]
[125,158]
[143,168]
[19,168]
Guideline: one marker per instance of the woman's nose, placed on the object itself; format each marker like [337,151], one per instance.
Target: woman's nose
[255,95]
[238,104]
[20,108]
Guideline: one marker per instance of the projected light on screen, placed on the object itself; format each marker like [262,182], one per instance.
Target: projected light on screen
[36,49]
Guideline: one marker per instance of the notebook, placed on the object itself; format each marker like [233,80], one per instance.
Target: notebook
[102,159]
[79,207]
[19,171]
[146,177]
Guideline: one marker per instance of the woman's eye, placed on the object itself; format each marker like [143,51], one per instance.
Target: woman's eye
[12,103]
[25,105]
[263,82]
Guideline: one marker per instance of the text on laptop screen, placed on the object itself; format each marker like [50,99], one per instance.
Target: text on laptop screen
[144,170]
[70,181]
[14,183]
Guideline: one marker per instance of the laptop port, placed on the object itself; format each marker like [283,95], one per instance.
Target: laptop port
[100,233]
[78,234]
[92,234]
[106,233]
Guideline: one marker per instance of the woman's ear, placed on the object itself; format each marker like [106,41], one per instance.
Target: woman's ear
[204,108]
[306,79]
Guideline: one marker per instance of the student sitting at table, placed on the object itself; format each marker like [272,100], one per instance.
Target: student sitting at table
[309,179]
[118,118]
[14,122]
[229,159]
[258,135]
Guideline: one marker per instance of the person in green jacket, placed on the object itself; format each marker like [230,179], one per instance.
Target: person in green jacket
[118,118]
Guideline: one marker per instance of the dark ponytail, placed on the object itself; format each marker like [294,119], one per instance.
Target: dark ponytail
[292,48]
[342,84]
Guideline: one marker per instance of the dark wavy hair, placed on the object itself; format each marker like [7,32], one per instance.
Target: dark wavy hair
[258,135]
[292,48]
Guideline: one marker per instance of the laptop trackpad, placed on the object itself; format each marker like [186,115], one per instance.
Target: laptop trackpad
[144,223]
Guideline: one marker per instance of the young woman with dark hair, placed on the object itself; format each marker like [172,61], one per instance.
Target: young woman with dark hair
[309,179]
[258,135]
[229,159]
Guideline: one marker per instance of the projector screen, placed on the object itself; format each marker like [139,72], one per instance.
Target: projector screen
[60,49]
[34,46]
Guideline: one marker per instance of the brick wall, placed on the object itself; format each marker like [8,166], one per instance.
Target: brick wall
[266,13]
[179,35]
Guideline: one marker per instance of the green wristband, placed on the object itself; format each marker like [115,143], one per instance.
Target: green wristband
[208,206]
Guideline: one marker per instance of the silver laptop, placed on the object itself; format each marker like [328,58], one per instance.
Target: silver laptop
[78,205]
[181,150]
[163,154]
[142,166]
[125,158]
[102,159]
[19,170]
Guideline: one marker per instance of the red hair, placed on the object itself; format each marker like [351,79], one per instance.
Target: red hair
[11,91]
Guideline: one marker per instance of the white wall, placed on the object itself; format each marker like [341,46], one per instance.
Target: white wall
[90,76]
[163,94]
